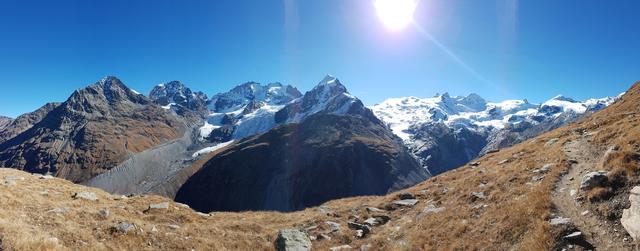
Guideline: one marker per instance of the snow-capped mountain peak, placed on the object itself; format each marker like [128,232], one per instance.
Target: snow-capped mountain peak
[444,132]
[241,95]
[175,93]
[328,96]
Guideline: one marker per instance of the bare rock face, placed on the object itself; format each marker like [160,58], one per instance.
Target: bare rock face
[94,130]
[4,121]
[292,240]
[631,217]
[25,121]
[593,179]
[177,96]
[301,165]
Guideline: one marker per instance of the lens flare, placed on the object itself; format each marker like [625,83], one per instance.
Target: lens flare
[395,14]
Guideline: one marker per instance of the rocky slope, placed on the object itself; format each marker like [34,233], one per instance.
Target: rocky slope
[445,132]
[4,121]
[25,121]
[93,131]
[288,168]
[524,197]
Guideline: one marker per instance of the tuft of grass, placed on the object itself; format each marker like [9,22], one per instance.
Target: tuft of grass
[599,194]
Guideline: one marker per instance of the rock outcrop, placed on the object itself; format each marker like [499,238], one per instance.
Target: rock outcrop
[631,217]
[292,240]
[593,179]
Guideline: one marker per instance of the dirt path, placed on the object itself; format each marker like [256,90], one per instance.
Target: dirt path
[597,232]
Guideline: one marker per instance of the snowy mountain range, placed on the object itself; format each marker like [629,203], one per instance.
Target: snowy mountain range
[251,108]
[444,132]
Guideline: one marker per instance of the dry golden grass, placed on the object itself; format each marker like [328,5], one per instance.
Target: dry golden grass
[516,215]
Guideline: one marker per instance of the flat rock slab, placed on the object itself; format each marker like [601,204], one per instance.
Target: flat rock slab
[163,205]
[86,196]
[406,203]
[559,221]
[631,217]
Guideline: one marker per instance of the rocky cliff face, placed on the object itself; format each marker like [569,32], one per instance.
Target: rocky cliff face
[4,121]
[25,121]
[300,165]
[94,130]
[175,95]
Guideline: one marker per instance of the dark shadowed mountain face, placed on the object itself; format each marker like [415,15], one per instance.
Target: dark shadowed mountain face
[442,148]
[25,121]
[300,165]
[91,132]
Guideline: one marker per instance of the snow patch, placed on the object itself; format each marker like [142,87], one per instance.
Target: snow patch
[210,149]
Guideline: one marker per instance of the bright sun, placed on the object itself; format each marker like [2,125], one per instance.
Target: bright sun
[395,14]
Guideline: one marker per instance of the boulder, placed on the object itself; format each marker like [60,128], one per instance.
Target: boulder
[477,196]
[339,248]
[292,240]
[59,210]
[157,206]
[11,180]
[406,196]
[377,220]
[124,227]
[546,168]
[432,208]
[559,221]
[104,213]
[86,196]
[593,179]
[333,226]
[631,217]
[573,236]
[361,229]
[375,210]
[406,203]
[551,142]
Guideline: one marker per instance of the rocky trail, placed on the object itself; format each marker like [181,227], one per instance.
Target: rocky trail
[598,234]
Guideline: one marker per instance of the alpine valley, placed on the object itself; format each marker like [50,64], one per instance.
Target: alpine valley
[273,148]
[270,138]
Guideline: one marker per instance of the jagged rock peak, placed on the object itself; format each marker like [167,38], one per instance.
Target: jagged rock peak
[241,95]
[176,93]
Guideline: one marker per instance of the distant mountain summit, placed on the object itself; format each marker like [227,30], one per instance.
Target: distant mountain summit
[25,121]
[251,92]
[445,132]
[92,131]
[4,121]
[175,93]
[328,96]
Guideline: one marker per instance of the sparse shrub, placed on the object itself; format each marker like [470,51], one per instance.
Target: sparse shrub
[599,194]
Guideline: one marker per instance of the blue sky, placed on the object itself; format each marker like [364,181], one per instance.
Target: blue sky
[499,49]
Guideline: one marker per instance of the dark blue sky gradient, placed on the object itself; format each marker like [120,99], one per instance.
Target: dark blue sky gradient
[499,49]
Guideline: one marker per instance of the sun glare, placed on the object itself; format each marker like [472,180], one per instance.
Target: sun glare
[395,14]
